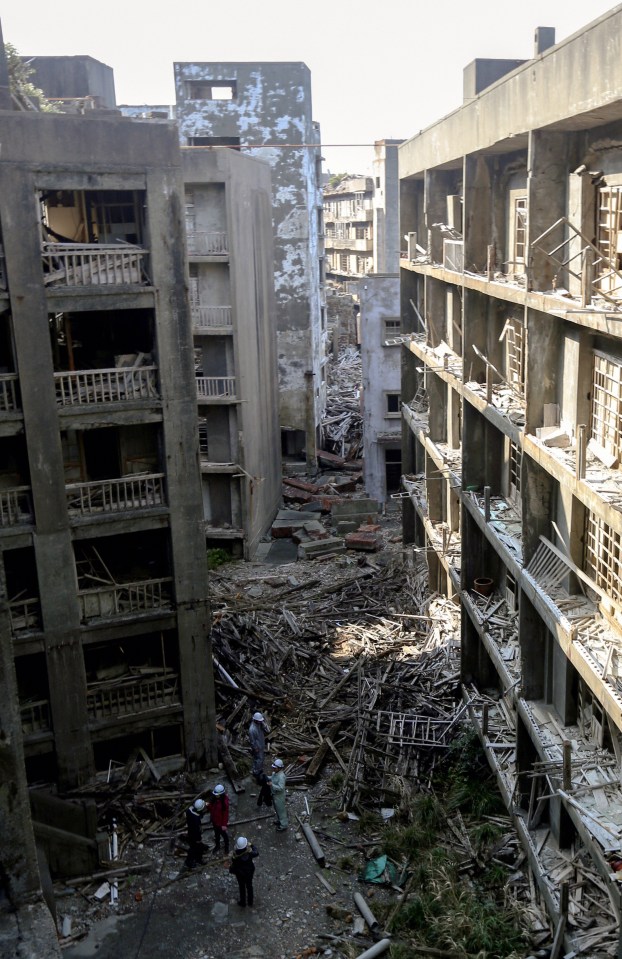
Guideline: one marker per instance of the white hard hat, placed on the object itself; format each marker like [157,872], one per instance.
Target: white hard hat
[277,764]
[258,717]
[241,842]
[219,790]
[199,804]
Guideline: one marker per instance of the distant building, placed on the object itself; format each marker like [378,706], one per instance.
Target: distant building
[349,230]
[381,396]
[265,109]
[77,82]
[231,266]
[385,203]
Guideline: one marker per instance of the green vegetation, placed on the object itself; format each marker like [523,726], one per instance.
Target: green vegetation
[26,93]
[460,908]
[218,557]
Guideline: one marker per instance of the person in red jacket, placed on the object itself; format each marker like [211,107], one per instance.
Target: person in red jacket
[219,813]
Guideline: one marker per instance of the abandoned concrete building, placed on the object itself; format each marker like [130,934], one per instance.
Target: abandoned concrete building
[265,109]
[104,564]
[386,226]
[230,257]
[511,385]
[349,226]
[381,384]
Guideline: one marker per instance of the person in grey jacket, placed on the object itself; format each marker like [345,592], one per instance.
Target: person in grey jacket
[257,737]
[277,782]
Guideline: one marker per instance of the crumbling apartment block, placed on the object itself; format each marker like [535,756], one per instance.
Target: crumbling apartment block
[511,290]
[264,109]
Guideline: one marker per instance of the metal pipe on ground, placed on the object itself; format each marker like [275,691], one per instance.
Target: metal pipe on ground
[376,950]
[316,849]
[365,911]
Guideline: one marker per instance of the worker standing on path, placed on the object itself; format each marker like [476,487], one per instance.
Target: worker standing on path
[278,782]
[243,868]
[257,737]
[219,814]
[194,814]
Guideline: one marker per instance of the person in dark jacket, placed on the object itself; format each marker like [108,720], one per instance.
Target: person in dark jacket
[219,812]
[265,793]
[257,739]
[194,814]
[243,868]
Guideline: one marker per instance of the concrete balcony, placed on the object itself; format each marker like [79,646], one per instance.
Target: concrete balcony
[36,717]
[15,507]
[25,615]
[129,697]
[93,264]
[206,319]
[208,244]
[118,385]
[128,493]
[365,245]
[9,402]
[216,389]
[125,599]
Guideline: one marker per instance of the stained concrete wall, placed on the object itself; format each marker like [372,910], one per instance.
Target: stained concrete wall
[381,373]
[272,106]
[247,200]
[65,152]
[387,242]
[574,78]
[78,76]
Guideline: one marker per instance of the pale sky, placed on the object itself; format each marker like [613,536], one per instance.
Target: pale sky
[382,69]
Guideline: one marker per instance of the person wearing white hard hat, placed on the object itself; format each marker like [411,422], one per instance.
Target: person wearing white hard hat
[194,814]
[219,813]
[243,868]
[257,737]
[277,783]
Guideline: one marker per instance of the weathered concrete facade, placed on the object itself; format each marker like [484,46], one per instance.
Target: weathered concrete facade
[76,77]
[265,109]
[386,222]
[103,556]
[511,296]
[380,360]
[229,231]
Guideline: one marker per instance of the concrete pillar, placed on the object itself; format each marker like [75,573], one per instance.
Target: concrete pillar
[546,192]
[434,491]
[310,447]
[543,361]
[52,540]
[180,429]
[453,319]
[538,498]
[454,418]
[477,213]
[435,310]
[437,415]
[581,213]
[435,210]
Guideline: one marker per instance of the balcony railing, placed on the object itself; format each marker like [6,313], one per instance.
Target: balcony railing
[36,717]
[208,317]
[25,615]
[215,387]
[121,599]
[15,506]
[93,264]
[127,698]
[116,495]
[106,386]
[8,390]
[208,244]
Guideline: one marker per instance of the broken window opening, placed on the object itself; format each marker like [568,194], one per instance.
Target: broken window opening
[211,89]
[393,401]
[606,418]
[391,326]
[603,556]
[513,334]
[609,237]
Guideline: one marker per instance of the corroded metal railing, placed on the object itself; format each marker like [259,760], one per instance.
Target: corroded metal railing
[207,244]
[120,599]
[8,392]
[93,264]
[115,385]
[143,491]
[215,387]
[15,506]
[130,697]
[208,317]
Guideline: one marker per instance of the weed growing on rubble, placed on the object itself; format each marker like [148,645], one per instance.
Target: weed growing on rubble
[217,557]
[455,903]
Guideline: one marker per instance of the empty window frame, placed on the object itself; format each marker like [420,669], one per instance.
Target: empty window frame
[517,233]
[511,592]
[343,263]
[609,237]
[390,329]
[362,264]
[606,419]
[392,407]
[514,466]
[513,334]
[603,556]
[211,89]
[232,142]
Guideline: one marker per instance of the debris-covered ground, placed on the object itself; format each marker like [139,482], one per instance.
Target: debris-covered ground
[355,667]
